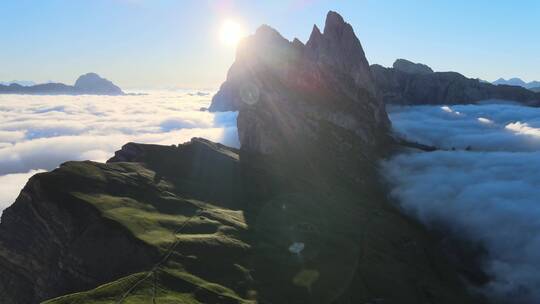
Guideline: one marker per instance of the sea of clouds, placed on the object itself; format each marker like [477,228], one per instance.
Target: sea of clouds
[485,185]
[38,133]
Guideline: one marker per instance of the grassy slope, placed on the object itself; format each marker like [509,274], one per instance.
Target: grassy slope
[131,195]
[163,286]
[357,248]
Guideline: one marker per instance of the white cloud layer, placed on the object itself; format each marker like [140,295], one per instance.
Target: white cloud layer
[489,194]
[41,132]
[492,127]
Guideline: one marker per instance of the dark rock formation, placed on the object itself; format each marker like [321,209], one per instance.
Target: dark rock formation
[398,87]
[411,67]
[296,216]
[289,93]
[338,50]
[328,62]
[90,84]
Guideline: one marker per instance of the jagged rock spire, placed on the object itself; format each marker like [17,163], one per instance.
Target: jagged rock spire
[339,47]
[287,92]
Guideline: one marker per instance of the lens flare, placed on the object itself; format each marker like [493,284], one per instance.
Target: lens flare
[231,32]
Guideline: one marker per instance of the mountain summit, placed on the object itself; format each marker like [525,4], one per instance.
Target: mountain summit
[339,48]
[411,67]
[92,83]
[288,92]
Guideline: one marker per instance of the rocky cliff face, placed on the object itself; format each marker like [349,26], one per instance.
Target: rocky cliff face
[297,215]
[288,94]
[399,85]
[53,242]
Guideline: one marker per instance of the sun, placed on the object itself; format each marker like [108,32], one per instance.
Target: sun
[231,32]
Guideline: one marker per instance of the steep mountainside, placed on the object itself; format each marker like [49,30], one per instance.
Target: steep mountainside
[290,94]
[297,215]
[397,86]
[194,223]
[90,83]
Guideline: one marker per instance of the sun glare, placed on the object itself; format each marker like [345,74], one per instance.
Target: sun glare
[231,32]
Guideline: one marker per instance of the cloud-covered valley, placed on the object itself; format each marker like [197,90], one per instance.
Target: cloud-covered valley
[483,185]
[487,190]
[41,132]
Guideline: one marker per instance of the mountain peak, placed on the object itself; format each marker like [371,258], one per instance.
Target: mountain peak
[410,67]
[514,81]
[335,23]
[274,83]
[267,31]
[333,16]
[94,84]
[339,48]
[315,31]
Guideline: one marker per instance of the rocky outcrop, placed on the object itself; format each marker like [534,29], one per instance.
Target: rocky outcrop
[90,84]
[52,242]
[411,67]
[288,94]
[399,87]
[338,50]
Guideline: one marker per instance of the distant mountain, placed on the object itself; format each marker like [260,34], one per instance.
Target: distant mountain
[537,89]
[517,82]
[90,84]
[415,85]
[19,82]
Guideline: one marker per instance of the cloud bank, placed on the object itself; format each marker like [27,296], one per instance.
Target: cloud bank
[488,194]
[41,132]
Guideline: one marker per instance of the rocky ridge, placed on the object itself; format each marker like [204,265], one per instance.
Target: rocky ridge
[287,92]
[397,86]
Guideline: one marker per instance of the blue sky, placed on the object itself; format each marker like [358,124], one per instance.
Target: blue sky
[167,43]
